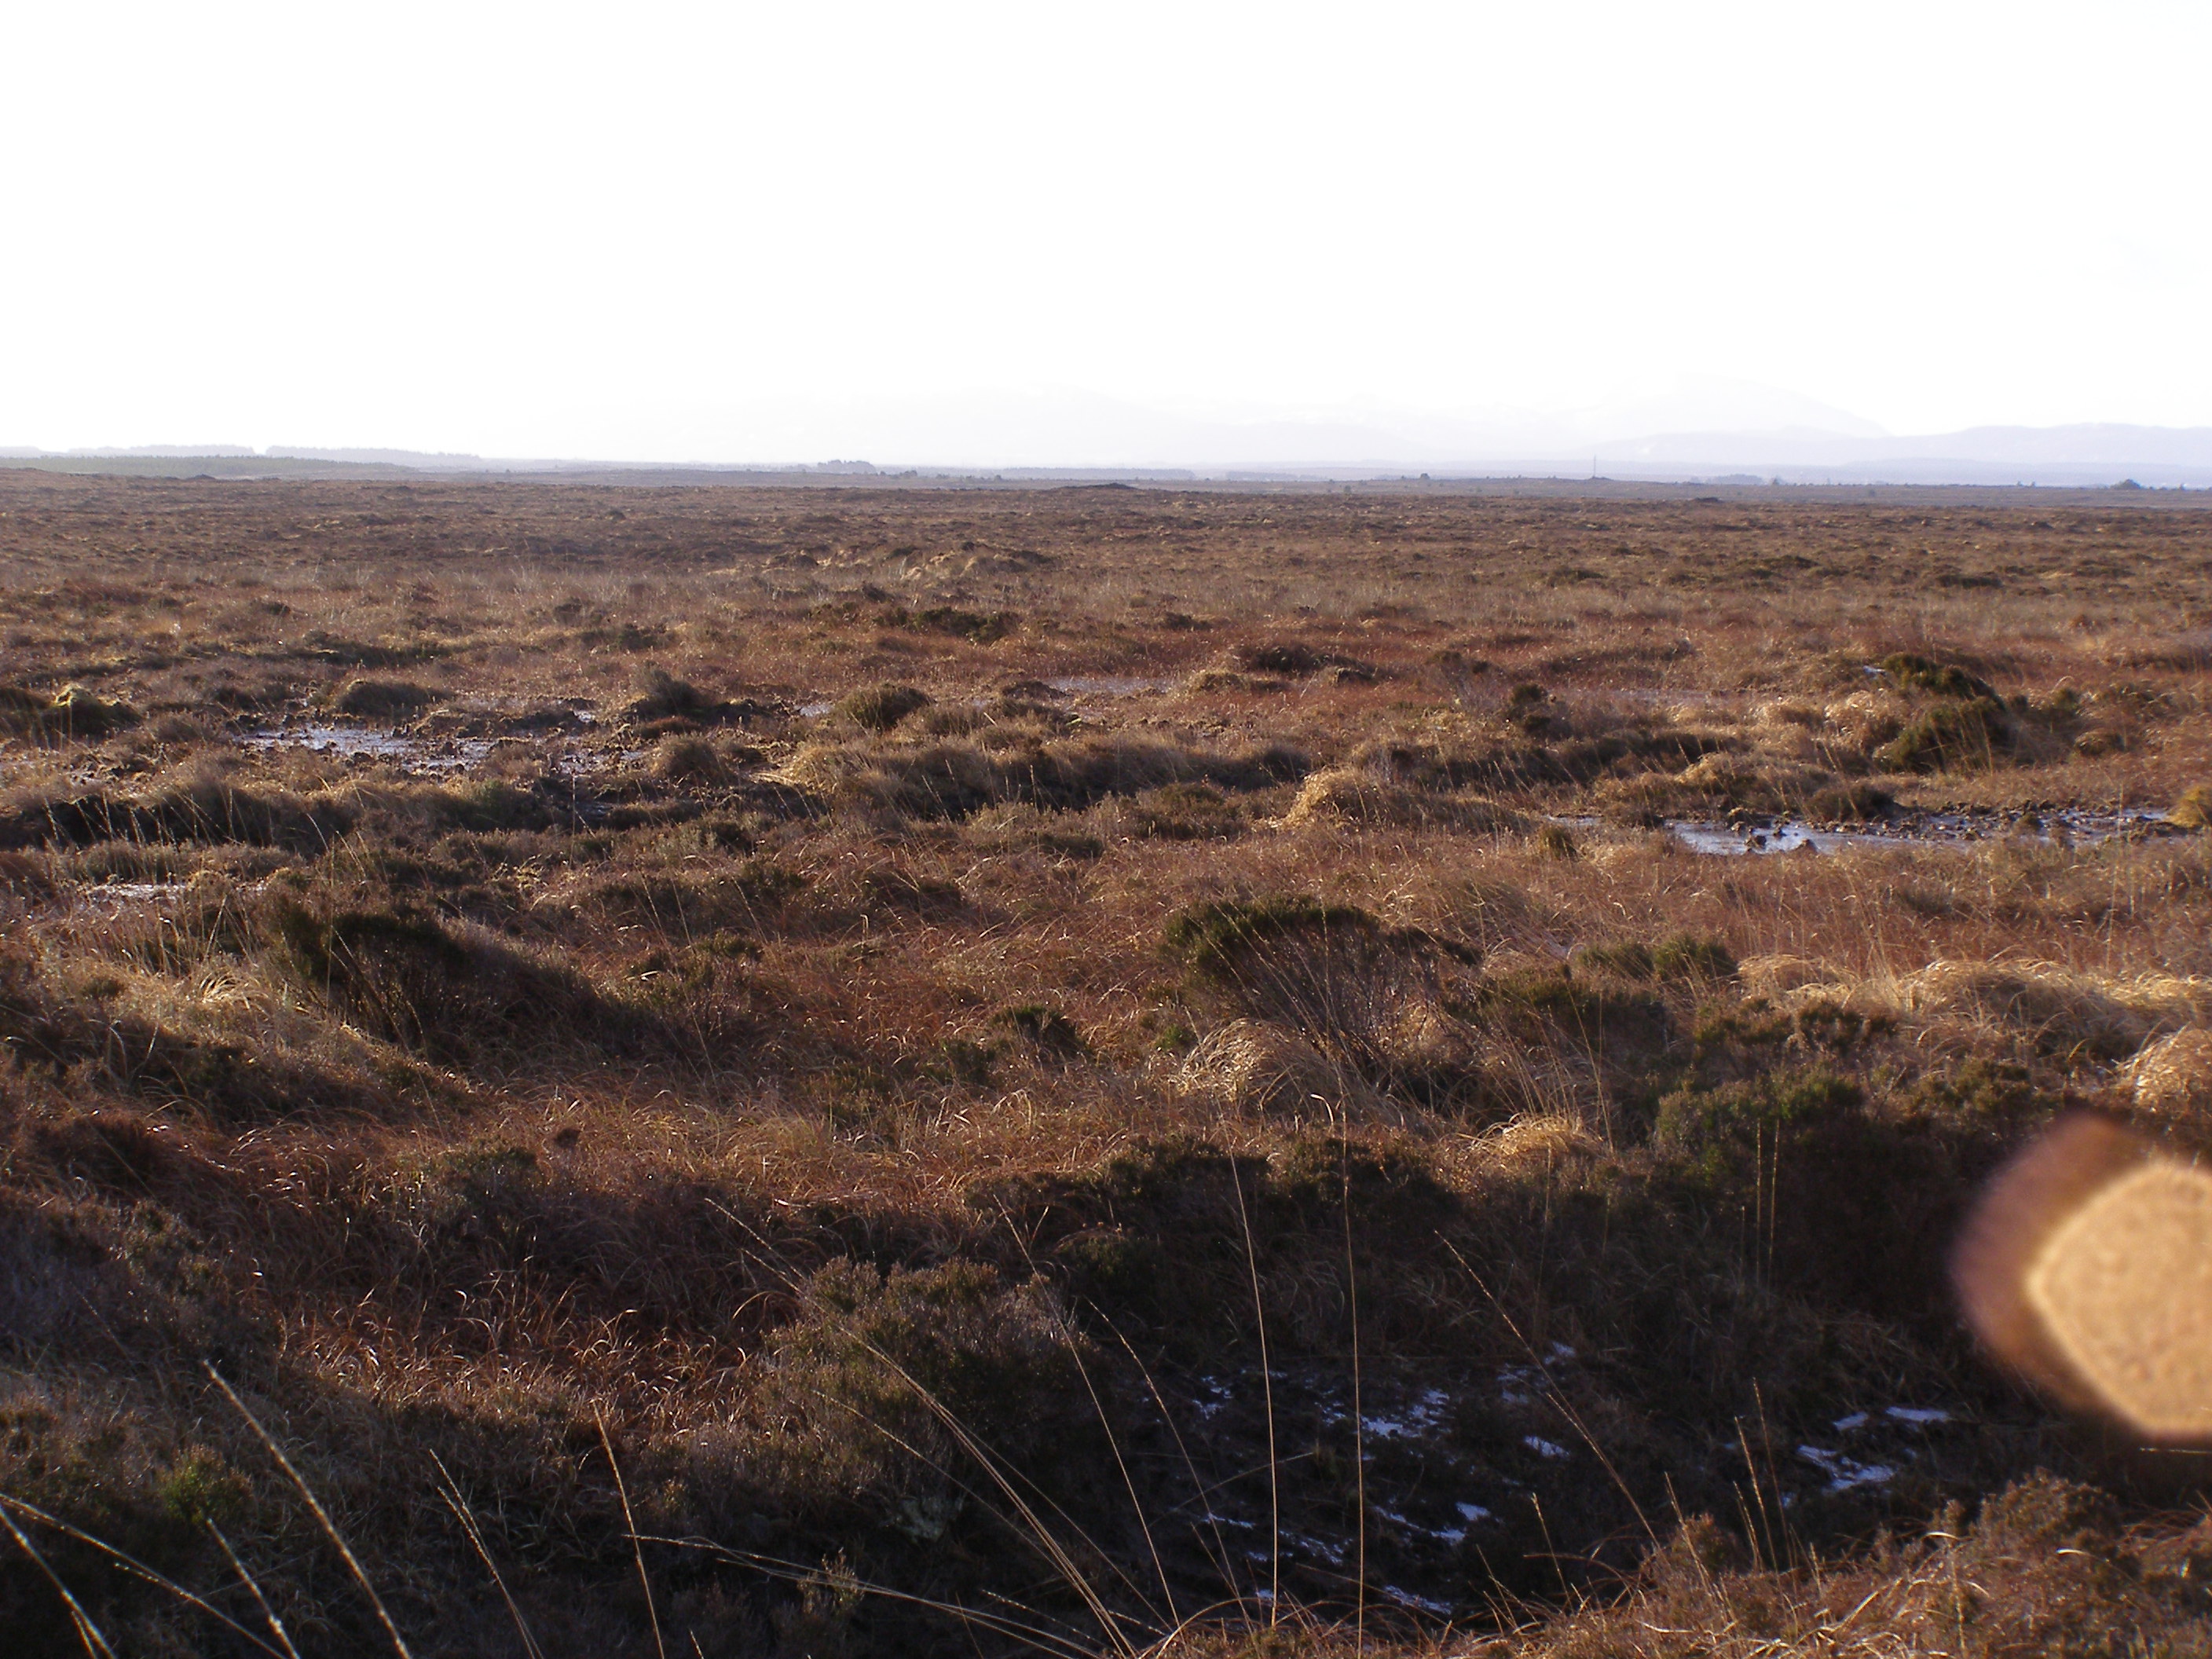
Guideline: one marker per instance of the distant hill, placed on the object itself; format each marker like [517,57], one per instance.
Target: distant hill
[1095,434]
[2084,455]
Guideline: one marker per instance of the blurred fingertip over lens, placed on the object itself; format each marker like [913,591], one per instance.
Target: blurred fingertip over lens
[2086,1267]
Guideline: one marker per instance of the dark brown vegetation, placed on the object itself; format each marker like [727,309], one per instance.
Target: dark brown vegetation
[869,1014]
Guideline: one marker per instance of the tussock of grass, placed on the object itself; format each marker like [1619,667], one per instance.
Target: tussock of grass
[1556,841]
[1373,1000]
[236,1078]
[1251,1067]
[1295,661]
[1852,803]
[688,760]
[880,708]
[955,780]
[2172,1076]
[757,895]
[383,699]
[2045,1565]
[1224,939]
[1183,811]
[2059,1011]
[977,627]
[451,994]
[75,714]
[1349,797]
[204,811]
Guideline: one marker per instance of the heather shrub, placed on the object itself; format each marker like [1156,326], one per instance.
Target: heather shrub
[1909,671]
[1951,737]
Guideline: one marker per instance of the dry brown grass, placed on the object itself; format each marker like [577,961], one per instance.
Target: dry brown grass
[648,1028]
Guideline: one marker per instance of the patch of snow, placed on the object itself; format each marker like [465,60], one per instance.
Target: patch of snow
[1421,1417]
[1472,1512]
[134,890]
[1406,1597]
[1855,1420]
[1517,1385]
[1843,1472]
[1918,1415]
[1543,1448]
[352,742]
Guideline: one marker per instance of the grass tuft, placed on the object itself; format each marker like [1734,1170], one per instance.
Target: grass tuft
[881,708]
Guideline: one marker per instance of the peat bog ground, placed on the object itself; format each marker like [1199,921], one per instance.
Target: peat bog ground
[847,1071]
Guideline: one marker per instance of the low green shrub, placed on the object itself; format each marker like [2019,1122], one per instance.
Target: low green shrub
[1688,956]
[1852,1201]
[1680,956]
[1220,938]
[1950,737]
[977,627]
[1909,671]
[1710,1124]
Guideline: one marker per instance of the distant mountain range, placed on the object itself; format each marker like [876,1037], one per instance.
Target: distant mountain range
[2084,455]
[1699,430]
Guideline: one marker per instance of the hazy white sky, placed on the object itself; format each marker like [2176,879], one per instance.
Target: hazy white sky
[644,230]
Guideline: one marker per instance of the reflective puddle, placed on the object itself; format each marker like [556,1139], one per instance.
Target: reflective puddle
[351,741]
[1110,685]
[2068,827]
